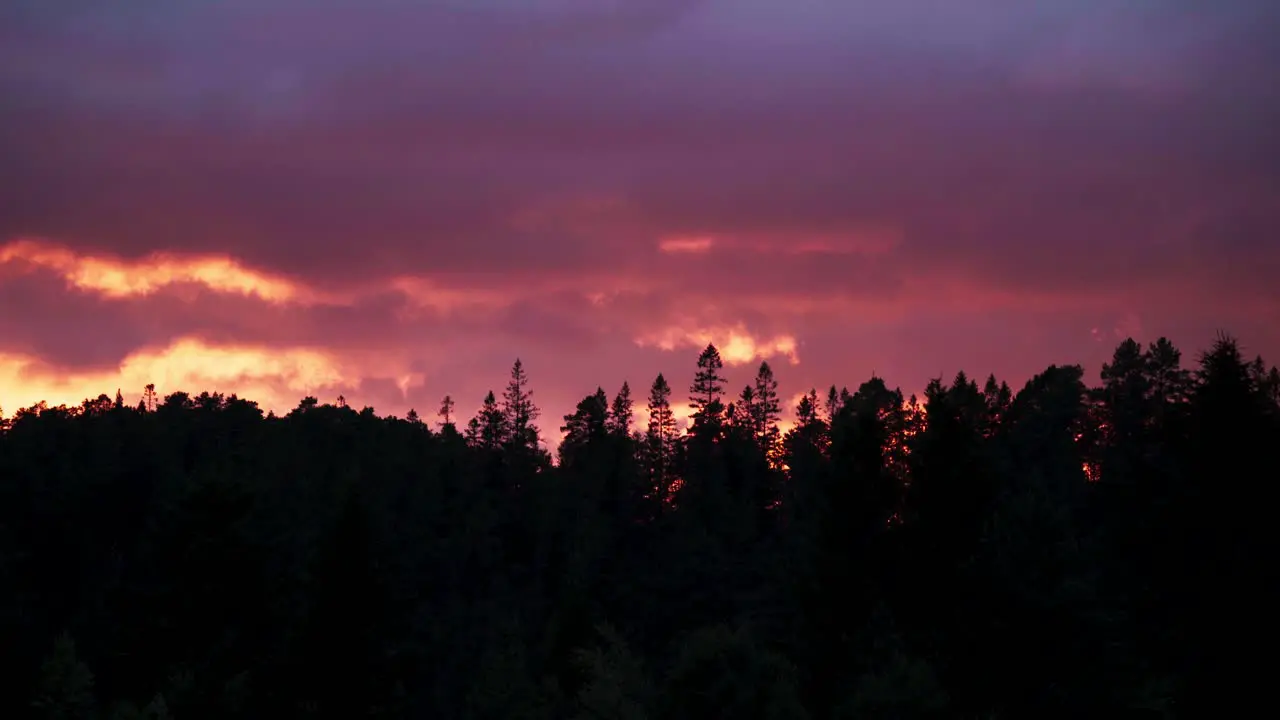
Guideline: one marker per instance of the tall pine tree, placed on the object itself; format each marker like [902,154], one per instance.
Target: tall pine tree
[620,412]
[660,439]
[488,430]
[707,389]
[765,411]
[519,411]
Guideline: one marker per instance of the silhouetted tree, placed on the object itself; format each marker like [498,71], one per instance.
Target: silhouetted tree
[620,412]
[65,687]
[723,673]
[765,412]
[617,686]
[1063,550]
[832,404]
[660,440]
[744,414]
[519,410]
[707,389]
[807,409]
[446,412]
[585,428]
[489,428]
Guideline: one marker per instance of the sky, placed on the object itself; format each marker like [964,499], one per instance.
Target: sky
[391,200]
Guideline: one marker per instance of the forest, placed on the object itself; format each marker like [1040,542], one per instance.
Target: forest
[1063,549]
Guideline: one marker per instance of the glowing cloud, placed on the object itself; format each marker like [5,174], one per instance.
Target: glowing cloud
[790,404]
[423,294]
[118,278]
[686,244]
[737,346]
[682,411]
[870,241]
[274,377]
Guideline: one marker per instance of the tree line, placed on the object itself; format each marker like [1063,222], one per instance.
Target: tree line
[977,552]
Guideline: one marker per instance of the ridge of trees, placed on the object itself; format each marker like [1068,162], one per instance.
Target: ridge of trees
[977,552]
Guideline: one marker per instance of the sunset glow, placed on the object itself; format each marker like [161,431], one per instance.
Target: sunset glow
[676,245]
[603,189]
[115,278]
[276,378]
[736,344]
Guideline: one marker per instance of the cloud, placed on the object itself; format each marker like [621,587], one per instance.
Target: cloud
[116,278]
[867,241]
[677,245]
[681,410]
[736,344]
[430,189]
[275,377]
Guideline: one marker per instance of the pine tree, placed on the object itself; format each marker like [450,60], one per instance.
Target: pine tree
[1271,388]
[1171,384]
[488,430]
[766,410]
[413,417]
[587,424]
[707,388]
[149,397]
[620,413]
[744,414]
[519,411]
[119,399]
[65,689]
[660,438]
[446,412]
[616,685]
[807,409]
[998,397]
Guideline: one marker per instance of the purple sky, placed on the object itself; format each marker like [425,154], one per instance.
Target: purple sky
[428,189]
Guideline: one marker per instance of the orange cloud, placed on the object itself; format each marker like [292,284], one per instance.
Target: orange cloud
[274,377]
[791,403]
[686,244]
[681,410]
[118,278]
[422,294]
[868,240]
[736,344]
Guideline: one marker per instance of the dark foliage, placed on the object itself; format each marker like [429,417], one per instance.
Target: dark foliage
[1059,551]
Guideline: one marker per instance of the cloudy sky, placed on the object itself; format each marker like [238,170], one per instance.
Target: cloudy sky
[392,199]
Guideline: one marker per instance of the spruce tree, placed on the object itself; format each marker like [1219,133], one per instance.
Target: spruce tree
[707,388]
[65,687]
[620,412]
[766,410]
[489,429]
[446,412]
[519,411]
[660,438]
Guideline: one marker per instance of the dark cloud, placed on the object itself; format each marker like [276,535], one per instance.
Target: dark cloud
[42,318]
